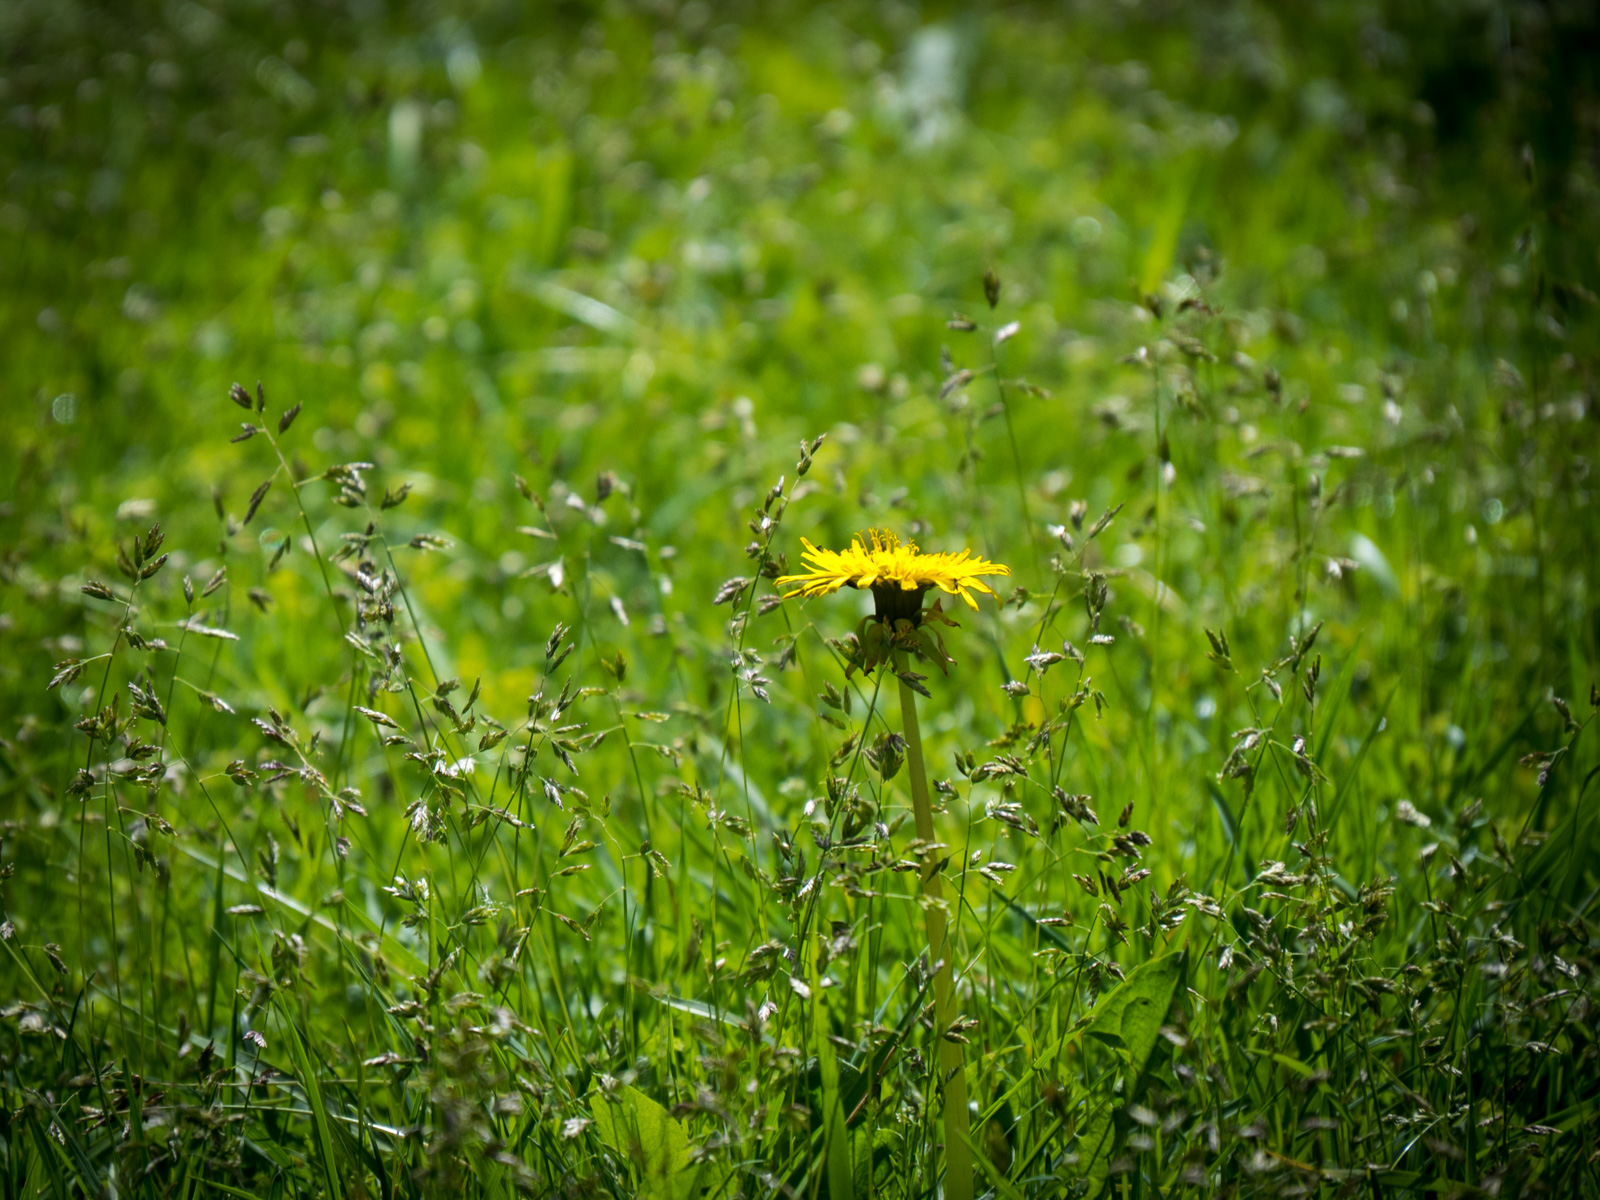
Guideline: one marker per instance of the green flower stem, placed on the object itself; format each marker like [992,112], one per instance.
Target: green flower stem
[952,1069]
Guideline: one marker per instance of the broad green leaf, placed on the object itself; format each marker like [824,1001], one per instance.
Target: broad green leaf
[654,1142]
[874,1158]
[1132,1012]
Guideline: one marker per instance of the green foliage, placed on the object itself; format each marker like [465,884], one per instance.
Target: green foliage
[1129,1019]
[413,784]
[645,1135]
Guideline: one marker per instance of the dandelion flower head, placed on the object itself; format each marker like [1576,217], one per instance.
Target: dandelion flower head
[882,562]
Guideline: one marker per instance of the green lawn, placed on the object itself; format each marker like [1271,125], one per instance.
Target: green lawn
[412,782]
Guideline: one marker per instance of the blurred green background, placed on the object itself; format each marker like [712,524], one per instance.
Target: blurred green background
[402,217]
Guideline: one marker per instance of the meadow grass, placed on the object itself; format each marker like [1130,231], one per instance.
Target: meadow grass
[416,784]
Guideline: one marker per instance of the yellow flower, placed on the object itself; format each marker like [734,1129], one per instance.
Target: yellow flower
[892,569]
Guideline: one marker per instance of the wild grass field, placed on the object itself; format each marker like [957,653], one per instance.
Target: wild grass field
[414,782]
